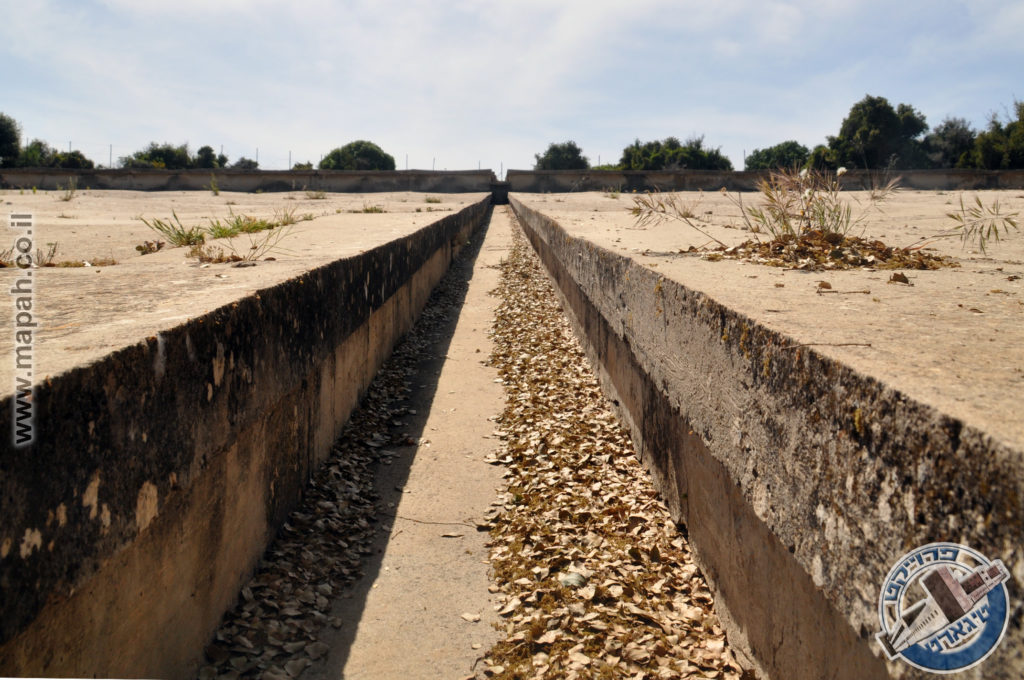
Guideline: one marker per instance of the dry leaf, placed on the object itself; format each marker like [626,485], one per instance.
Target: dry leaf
[580,536]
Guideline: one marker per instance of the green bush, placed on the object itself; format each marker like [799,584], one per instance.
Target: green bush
[671,154]
[358,155]
[789,154]
[1001,146]
[874,135]
[949,145]
[160,156]
[10,141]
[36,154]
[173,157]
[564,156]
[206,158]
[71,159]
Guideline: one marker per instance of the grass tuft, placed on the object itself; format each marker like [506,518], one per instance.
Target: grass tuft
[175,232]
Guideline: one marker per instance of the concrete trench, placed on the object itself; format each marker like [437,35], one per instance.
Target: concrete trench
[176,578]
[141,548]
[798,599]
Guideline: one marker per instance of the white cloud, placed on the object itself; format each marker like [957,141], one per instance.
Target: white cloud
[460,80]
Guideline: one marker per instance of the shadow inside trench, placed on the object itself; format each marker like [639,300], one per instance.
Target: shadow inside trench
[449,296]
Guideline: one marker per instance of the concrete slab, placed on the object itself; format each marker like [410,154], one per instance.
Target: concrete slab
[85,313]
[951,339]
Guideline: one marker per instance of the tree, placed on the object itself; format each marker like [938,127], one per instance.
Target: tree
[36,154]
[358,155]
[71,159]
[10,141]
[874,135]
[822,158]
[1001,146]
[244,163]
[789,154]
[205,158]
[159,156]
[39,154]
[564,156]
[670,154]
[949,145]
[303,166]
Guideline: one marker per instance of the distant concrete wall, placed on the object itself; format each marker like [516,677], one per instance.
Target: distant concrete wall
[798,479]
[463,181]
[563,181]
[160,473]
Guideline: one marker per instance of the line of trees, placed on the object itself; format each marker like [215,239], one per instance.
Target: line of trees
[875,135]
[666,154]
[178,157]
[358,155]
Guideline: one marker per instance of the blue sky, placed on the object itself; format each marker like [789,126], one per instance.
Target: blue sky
[459,83]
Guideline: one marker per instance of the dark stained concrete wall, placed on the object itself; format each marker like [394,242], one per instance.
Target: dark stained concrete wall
[160,473]
[462,181]
[564,181]
[799,480]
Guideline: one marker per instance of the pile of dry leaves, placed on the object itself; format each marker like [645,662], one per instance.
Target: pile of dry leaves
[817,250]
[597,581]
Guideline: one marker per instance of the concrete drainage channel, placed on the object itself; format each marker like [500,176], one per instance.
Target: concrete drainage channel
[391,551]
[339,592]
[755,467]
[160,472]
[332,597]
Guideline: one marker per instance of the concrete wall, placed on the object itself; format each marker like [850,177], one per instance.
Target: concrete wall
[798,479]
[463,181]
[161,472]
[563,181]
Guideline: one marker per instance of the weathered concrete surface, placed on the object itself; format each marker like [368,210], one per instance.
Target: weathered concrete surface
[141,179]
[803,469]
[161,468]
[555,181]
[85,313]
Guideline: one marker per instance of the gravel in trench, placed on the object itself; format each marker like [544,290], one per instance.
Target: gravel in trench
[597,580]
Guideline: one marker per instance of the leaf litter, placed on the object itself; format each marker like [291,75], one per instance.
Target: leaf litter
[596,579]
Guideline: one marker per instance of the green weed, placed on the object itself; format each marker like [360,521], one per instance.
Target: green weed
[285,216]
[175,232]
[259,246]
[980,223]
